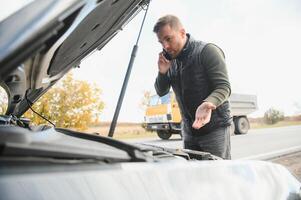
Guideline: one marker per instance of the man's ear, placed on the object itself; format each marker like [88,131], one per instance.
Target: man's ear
[183,32]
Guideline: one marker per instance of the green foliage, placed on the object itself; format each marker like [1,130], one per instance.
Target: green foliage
[272,116]
[70,104]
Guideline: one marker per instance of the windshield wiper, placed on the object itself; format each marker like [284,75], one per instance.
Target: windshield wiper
[65,144]
[136,154]
[184,153]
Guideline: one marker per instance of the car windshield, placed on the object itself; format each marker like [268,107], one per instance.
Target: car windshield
[165,99]
[154,100]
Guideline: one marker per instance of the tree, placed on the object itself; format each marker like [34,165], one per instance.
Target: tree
[70,104]
[272,116]
[3,101]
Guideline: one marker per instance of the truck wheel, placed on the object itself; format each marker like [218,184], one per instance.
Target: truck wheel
[241,125]
[164,135]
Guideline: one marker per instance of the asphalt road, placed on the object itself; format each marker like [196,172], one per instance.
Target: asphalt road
[259,144]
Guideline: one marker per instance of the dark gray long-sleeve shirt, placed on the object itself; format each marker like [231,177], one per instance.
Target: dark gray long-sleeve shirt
[212,58]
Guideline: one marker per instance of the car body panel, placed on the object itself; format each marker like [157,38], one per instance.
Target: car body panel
[165,180]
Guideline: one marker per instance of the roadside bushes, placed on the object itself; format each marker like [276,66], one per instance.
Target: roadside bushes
[272,116]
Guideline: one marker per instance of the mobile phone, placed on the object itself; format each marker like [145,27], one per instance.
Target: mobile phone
[166,55]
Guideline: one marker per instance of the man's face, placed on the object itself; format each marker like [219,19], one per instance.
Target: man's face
[172,40]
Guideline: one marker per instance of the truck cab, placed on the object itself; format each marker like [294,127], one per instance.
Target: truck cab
[163,115]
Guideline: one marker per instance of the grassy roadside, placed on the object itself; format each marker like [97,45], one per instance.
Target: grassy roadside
[135,131]
[258,125]
[142,134]
[124,131]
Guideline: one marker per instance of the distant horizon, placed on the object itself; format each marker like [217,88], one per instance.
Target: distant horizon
[131,122]
[249,117]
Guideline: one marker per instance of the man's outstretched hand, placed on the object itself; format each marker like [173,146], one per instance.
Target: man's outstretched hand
[203,114]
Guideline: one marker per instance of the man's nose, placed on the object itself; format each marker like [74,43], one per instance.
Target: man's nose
[165,45]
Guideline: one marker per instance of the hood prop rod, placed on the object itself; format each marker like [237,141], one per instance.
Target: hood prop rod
[126,79]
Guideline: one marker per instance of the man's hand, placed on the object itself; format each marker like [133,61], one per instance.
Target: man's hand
[203,114]
[163,64]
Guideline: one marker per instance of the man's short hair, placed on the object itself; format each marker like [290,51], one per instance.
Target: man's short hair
[170,20]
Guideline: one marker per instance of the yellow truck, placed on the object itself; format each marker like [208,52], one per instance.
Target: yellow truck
[162,114]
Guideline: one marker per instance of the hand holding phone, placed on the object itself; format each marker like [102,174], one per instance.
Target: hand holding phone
[164,62]
[166,55]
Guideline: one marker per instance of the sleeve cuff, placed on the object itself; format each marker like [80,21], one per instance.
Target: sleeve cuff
[213,100]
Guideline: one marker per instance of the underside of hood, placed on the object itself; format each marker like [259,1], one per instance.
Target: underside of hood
[41,42]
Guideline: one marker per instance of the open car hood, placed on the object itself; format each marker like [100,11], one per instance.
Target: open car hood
[41,42]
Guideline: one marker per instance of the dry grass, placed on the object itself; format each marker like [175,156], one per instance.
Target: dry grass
[123,131]
[258,125]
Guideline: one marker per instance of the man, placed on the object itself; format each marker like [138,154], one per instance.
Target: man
[197,73]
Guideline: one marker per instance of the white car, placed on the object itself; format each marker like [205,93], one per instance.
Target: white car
[39,44]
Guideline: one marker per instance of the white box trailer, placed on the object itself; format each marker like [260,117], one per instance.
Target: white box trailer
[242,105]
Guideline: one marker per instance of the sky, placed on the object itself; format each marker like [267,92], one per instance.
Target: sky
[260,38]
